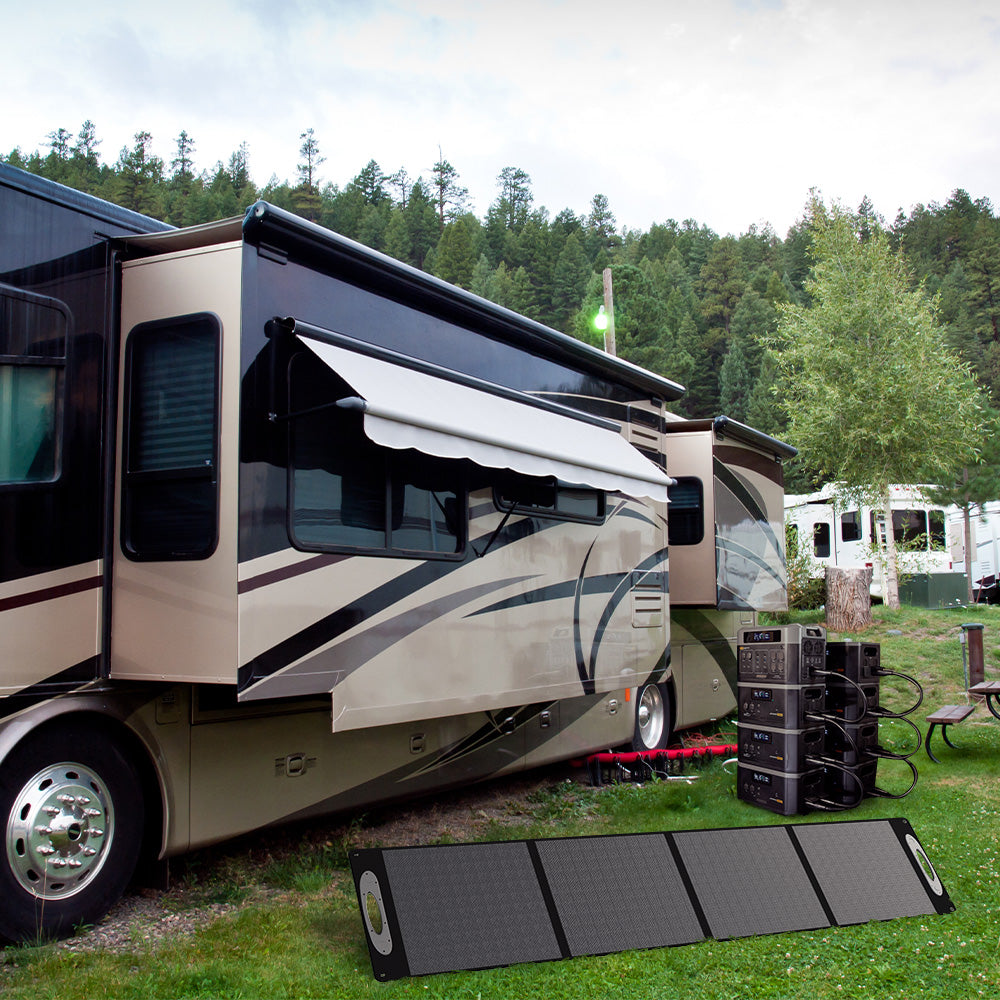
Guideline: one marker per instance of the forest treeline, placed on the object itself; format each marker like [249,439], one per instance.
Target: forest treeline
[689,303]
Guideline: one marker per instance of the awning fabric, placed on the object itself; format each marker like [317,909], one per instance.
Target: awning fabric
[404,408]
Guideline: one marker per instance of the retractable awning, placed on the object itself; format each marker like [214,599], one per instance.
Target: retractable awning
[490,425]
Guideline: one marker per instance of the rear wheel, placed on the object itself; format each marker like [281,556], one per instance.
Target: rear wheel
[652,717]
[72,808]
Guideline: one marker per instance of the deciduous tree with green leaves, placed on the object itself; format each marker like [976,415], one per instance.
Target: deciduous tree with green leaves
[873,394]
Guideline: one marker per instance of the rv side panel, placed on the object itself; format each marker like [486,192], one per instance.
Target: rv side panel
[489,600]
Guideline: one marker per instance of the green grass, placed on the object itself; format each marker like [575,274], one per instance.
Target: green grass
[299,933]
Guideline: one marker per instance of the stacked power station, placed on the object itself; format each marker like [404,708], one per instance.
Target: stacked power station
[808,720]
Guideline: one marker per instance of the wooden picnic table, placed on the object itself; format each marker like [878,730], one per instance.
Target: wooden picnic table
[950,715]
[991,691]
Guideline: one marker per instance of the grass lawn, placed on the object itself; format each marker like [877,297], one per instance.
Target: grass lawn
[298,932]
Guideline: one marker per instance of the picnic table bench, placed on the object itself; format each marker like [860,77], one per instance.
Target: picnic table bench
[950,715]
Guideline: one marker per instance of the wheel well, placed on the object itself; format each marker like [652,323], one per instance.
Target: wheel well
[138,755]
[668,684]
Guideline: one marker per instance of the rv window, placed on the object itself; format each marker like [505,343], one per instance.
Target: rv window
[850,526]
[33,331]
[546,497]
[936,523]
[821,540]
[170,481]
[348,494]
[686,511]
[909,528]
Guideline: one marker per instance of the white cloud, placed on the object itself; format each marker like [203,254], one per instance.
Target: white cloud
[727,112]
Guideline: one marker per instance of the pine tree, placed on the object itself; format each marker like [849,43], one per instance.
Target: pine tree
[306,197]
[735,382]
[514,201]
[450,197]
[483,282]
[569,281]
[456,253]
[397,242]
[138,177]
[421,222]
[182,166]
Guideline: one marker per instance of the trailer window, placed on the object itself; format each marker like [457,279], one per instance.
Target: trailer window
[935,521]
[910,528]
[347,494]
[685,511]
[547,497]
[821,540]
[33,338]
[170,498]
[850,526]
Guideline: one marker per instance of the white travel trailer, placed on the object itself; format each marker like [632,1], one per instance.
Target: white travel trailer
[984,525]
[837,532]
[289,528]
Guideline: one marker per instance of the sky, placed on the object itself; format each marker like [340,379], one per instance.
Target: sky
[727,112]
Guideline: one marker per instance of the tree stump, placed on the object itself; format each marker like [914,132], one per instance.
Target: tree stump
[848,599]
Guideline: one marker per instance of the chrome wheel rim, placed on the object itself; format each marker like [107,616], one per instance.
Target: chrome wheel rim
[59,831]
[650,716]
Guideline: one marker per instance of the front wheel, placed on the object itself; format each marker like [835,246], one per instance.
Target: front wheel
[72,806]
[652,717]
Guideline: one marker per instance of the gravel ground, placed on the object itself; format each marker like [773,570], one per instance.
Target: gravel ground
[145,918]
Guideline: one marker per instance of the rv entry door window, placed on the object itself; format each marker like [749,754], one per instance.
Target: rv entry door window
[170,504]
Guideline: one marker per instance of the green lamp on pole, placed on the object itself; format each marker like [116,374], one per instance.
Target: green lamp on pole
[604,321]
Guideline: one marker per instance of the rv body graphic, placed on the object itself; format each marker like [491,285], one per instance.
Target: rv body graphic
[290,528]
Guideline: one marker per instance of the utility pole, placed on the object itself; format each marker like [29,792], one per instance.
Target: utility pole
[610,346]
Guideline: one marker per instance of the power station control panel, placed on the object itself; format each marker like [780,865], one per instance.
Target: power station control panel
[786,654]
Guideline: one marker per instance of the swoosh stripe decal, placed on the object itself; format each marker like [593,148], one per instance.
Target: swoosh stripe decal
[289,572]
[365,606]
[50,593]
[744,553]
[745,497]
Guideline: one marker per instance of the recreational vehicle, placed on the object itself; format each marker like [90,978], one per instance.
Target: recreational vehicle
[984,550]
[290,528]
[839,532]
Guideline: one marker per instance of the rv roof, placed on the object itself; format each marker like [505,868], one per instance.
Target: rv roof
[723,426]
[284,231]
[277,228]
[97,208]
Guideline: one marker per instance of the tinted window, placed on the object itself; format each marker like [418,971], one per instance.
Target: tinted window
[349,494]
[850,526]
[910,526]
[821,540]
[935,520]
[547,497]
[685,511]
[33,336]
[170,482]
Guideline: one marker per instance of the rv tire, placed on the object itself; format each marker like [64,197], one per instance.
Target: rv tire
[653,717]
[72,807]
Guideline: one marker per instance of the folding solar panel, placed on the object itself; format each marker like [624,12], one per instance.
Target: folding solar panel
[472,906]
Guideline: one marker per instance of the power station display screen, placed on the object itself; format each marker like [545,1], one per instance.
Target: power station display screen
[769,635]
